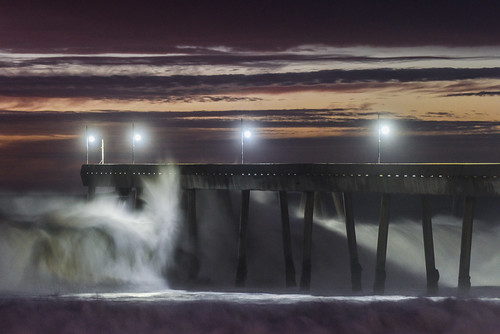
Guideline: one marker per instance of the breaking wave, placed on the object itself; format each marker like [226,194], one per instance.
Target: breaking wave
[54,245]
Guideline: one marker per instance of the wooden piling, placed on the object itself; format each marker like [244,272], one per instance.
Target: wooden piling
[465,246]
[90,193]
[305,280]
[287,240]
[124,193]
[383,231]
[355,267]
[138,199]
[192,223]
[241,270]
[430,264]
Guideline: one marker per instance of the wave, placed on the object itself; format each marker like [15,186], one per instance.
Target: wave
[54,245]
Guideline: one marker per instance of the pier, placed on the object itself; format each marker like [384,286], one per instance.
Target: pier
[468,181]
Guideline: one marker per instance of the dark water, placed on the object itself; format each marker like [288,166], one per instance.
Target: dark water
[69,266]
[182,312]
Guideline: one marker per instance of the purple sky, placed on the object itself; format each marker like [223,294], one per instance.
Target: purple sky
[309,77]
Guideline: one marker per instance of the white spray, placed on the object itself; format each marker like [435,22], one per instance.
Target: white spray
[50,245]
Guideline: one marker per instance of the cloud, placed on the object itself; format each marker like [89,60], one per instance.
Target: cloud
[166,87]
[482,93]
[317,54]
[205,98]
[438,114]
[220,76]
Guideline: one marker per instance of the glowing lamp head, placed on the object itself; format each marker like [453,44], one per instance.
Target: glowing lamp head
[137,137]
[247,134]
[91,139]
[384,129]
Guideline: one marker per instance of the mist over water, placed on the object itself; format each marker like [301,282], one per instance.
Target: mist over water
[405,266]
[57,245]
[72,266]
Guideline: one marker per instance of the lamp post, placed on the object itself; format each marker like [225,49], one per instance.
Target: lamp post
[135,137]
[102,151]
[244,134]
[382,130]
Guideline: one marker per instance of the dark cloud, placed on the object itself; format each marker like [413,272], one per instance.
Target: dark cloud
[447,127]
[20,123]
[439,114]
[482,93]
[169,87]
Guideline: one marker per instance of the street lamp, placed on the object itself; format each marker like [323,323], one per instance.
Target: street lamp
[135,137]
[90,139]
[244,134]
[383,130]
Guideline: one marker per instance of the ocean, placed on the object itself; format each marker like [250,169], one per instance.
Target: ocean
[72,266]
[204,312]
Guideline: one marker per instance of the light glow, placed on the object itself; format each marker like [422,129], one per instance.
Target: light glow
[384,129]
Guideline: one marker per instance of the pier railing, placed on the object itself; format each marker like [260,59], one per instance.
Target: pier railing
[435,179]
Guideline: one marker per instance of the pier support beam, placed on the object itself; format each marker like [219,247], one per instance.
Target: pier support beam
[241,270]
[351,243]
[194,264]
[138,199]
[287,241]
[90,193]
[466,244]
[430,264]
[383,231]
[124,194]
[305,279]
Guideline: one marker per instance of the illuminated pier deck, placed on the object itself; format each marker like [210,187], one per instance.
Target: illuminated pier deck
[470,181]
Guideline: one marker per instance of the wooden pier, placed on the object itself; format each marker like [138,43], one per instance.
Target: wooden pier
[468,181]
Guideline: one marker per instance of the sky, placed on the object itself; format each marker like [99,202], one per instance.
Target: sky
[310,78]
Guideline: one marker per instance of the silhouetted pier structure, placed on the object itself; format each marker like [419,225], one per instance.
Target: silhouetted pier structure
[469,181]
